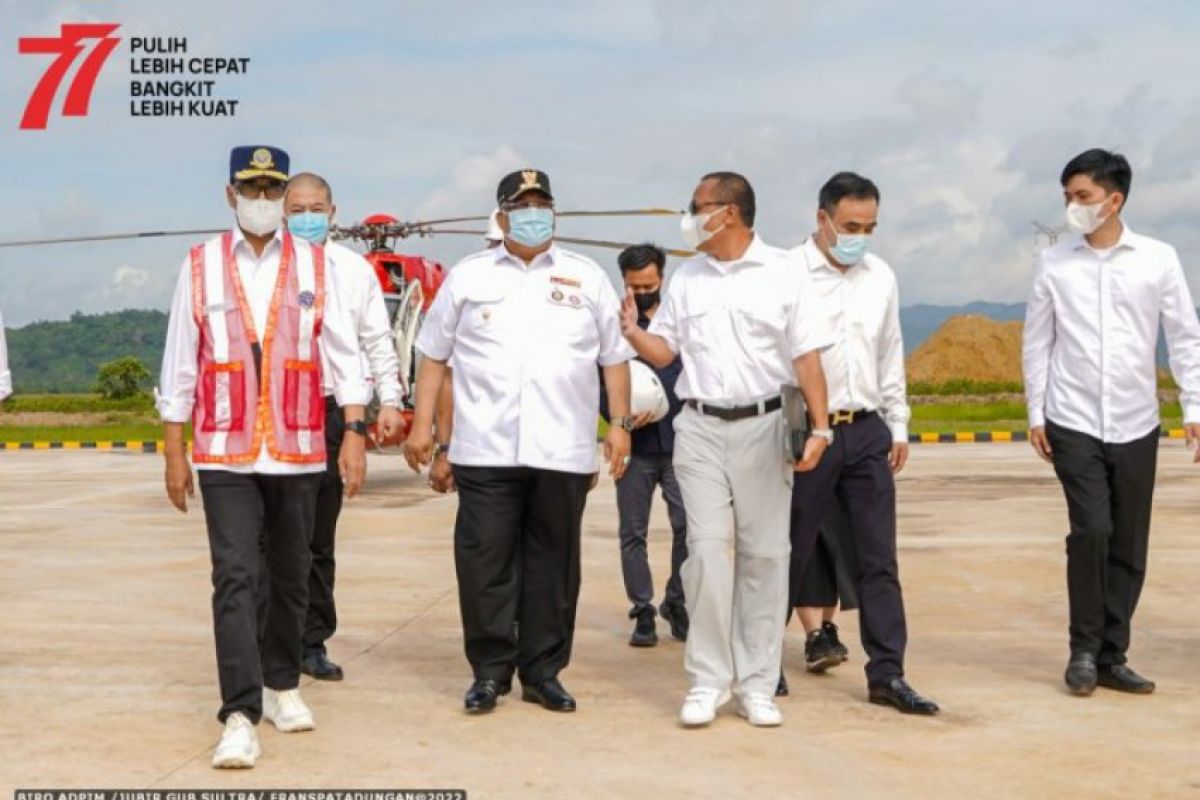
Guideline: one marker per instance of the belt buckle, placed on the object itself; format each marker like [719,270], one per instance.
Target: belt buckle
[843,417]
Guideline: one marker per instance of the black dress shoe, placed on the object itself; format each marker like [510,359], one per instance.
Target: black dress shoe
[550,694]
[1081,674]
[899,694]
[676,616]
[781,688]
[318,665]
[481,697]
[644,634]
[1123,679]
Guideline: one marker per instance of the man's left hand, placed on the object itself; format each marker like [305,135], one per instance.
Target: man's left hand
[352,462]
[1192,434]
[898,457]
[616,451]
[814,448]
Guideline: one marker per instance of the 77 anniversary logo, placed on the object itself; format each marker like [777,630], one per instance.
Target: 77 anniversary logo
[165,58]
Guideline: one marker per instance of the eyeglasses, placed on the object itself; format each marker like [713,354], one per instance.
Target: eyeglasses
[252,190]
[694,207]
[521,205]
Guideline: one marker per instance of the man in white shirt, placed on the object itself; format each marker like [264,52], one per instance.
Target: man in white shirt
[526,324]
[242,363]
[868,411]
[5,375]
[1091,329]
[309,207]
[740,316]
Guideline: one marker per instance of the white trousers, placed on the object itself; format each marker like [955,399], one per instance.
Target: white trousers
[737,490]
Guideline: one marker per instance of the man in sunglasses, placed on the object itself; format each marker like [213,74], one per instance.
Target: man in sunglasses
[242,365]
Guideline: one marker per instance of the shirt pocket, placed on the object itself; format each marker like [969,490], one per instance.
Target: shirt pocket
[482,313]
[697,329]
[570,320]
[224,397]
[303,403]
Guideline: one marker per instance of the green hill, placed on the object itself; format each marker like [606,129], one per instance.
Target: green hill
[63,356]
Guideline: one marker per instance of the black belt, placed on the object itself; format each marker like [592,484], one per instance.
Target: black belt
[732,413]
[848,417]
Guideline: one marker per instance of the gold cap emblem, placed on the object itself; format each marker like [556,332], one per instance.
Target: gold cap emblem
[261,158]
[529,180]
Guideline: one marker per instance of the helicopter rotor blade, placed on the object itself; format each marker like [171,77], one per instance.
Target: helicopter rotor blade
[112,237]
[632,212]
[570,240]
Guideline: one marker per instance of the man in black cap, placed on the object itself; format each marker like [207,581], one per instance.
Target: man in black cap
[254,309]
[526,323]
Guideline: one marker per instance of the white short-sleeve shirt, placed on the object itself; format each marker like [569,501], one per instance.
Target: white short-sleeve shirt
[738,325]
[526,341]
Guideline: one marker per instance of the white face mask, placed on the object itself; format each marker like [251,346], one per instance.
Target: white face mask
[260,216]
[693,230]
[1085,219]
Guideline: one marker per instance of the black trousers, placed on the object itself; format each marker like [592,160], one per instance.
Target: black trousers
[321,622]
[828,580]
[516,552]
[1109,490]
[854,473]
[635,493]
[244,512]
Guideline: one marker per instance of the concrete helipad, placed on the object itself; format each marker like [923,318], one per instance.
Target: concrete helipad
[107,675]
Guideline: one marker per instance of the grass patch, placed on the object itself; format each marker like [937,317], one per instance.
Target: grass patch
[81,433]
[74,404]
[966,387]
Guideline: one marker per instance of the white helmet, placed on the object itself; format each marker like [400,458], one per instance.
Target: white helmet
[647,392]
[494,234]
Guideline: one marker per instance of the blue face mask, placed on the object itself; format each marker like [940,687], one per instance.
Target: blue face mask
[309,225]
[531,227]
[850,248]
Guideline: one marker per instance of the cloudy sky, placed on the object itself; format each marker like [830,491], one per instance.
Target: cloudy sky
[962,112]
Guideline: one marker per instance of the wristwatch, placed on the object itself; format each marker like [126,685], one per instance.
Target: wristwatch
[624,423]
[358,426]
[440,448]
[823,433]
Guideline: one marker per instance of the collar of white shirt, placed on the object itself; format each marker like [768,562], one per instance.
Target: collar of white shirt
[816,259]
[239,240]
[759,252]
[546,258]
[1128,241]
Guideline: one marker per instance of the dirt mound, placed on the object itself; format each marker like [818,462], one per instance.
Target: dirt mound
[969,347]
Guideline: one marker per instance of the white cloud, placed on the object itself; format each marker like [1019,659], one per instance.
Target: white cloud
[473,183]
[126,278]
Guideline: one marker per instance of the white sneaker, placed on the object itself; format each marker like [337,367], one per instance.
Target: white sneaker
[701,704]
[287,711]
[238,748]
[760,710]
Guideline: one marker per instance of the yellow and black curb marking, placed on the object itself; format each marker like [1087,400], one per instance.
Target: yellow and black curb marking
[132,446]
[979,437]
[962,437]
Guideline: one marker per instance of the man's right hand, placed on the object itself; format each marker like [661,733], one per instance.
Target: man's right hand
[418,447]
[642,420]
[1041,443]
[179,480]
[629,315]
